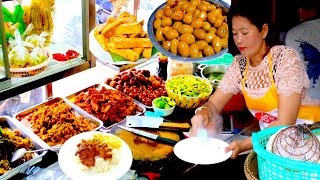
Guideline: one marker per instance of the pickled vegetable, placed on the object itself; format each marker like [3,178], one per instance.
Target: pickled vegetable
[215,76]
[164,102]
[189,86]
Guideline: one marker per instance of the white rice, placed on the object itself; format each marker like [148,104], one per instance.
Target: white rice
[101,165]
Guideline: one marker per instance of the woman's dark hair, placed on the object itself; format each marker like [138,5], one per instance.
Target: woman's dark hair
[258,12]
[308,4]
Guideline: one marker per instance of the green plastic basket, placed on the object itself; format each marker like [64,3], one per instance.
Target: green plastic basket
[225,59]
[271,166]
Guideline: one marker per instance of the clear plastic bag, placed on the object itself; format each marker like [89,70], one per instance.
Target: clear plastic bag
[19,55]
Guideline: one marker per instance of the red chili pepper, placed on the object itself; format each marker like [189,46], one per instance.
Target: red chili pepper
[59,57]
[70,54]
[151,175]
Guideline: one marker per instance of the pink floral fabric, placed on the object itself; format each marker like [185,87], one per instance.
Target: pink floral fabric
[288,72]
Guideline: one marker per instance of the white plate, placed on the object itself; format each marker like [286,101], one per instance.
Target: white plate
[197,151]
[105,56]
[61,47]
[68,164]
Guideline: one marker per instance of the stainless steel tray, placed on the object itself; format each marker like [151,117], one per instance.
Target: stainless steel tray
[75,108]
[26,134]
[71,97]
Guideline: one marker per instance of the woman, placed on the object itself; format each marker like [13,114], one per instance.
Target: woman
[271,77]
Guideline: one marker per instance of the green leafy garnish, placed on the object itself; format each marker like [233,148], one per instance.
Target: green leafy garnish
[7,16]
[118,58]
[21,27]
[15,17]
[18,14]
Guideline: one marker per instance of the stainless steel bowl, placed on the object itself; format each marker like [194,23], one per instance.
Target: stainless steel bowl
[206,69]
[151,33]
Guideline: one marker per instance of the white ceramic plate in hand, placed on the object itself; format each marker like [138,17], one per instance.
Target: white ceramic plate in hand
[70,167]
[198,151]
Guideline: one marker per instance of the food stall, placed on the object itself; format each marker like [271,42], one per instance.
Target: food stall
[100,74]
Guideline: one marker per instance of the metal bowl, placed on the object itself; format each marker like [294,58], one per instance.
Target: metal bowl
[206,69]
[157,45]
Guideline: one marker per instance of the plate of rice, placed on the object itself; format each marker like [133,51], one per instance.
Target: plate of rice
[95,155]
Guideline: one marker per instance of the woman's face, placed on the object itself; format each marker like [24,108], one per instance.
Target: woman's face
[247,37]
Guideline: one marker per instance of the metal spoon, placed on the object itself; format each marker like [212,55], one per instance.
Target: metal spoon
[20,152]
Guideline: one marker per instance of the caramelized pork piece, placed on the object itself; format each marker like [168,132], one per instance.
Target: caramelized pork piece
[89,149]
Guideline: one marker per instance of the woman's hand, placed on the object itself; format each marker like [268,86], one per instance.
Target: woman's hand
[212,122]
[238,147]
[198,122]
[209,116]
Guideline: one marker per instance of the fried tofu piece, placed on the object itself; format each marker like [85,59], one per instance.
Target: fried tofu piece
[130,28]
[110,19]
[117,36]
[131,42]
[129,54]
[111,46]
[103,41]
[138,50]
[133,35]
[98,29]
[147,53]
[144,35]
[110,29]
[124,14]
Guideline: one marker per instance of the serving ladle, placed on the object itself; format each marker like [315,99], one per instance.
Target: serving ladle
[20,152]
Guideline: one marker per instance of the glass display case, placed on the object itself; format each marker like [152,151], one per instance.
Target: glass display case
[42,41]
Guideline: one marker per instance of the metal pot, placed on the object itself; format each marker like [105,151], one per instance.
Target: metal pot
[206,69]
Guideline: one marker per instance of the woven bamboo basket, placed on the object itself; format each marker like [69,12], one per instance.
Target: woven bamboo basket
[251,166]
[29,71]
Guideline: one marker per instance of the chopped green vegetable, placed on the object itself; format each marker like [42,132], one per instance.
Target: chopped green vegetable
[190,86]
[164,102]
[215,76]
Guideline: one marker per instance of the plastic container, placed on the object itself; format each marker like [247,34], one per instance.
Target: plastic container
[271,166]
[179,68]
[35,141]
[162,112]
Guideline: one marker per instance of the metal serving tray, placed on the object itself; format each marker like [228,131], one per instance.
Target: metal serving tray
[77,110]
[71,97]
[35,141]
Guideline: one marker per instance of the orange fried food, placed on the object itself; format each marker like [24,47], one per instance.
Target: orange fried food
[110,106]
[131,42]
[57,122]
